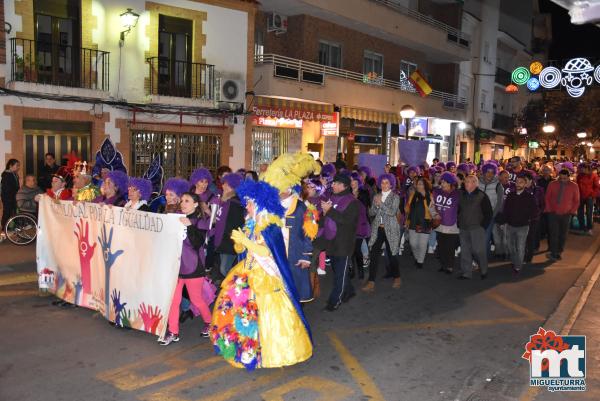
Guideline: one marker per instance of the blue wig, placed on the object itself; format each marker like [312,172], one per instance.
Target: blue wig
[265,196]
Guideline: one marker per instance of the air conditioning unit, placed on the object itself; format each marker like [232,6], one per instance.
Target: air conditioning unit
[230,90]
[277,23]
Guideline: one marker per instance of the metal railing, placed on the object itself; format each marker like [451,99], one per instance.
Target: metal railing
[181,78]
[57,64]
[453,34]
[449,100]
[503,122]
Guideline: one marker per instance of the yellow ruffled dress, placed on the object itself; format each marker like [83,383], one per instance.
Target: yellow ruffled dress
[281,339]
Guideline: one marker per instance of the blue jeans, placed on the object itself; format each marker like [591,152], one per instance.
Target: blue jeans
[588,205]
[432,239]
[227,261]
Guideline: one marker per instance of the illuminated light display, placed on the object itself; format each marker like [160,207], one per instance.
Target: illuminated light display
[533,84]
[512,88]
[520,75]
[550,77]
[597,74]
[576,76]
[536,67]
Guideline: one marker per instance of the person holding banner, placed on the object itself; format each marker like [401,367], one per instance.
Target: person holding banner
[258,321]
[174,188]
[114,189]
[191,270]
[139,190]
[200,180]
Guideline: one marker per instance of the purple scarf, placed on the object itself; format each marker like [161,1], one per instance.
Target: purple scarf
[339,203]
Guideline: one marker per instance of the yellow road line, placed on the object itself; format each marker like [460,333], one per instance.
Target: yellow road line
[515,307]
[246,387]
[360,375]
[327,390]
[19,278]
[18,293]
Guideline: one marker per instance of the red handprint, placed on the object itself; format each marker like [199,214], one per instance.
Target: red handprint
[151,317]
[86,251]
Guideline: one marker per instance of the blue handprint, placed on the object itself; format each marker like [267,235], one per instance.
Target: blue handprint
[78,286]
[60,281]
[116,298]
[109,259]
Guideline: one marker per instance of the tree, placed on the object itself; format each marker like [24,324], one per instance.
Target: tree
[569,116]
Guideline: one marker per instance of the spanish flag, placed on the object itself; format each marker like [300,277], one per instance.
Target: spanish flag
[419,83]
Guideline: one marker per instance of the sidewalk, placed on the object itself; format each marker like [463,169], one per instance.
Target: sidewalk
[17,258]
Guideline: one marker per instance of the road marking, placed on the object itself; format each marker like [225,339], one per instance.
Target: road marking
[128,378]
[513,306]
[247,386]
[328,390]
[18,293]
[169,393]
[360,375]
[20,278]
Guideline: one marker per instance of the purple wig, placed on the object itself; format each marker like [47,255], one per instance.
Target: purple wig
[489,166]
[317,185]
[389,177]
[450,165]
[120,180]
[413,168]
[569,166]
[200,174]
[328,170]
[582,165]
[143,185]
[233,180]
[449,177]
[442,165]
[439,169]
[464,167]
[356,177]
[432,171]
[366,170]
[177,185]
[496,162]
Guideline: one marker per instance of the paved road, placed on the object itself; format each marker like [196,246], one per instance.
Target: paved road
[436,338]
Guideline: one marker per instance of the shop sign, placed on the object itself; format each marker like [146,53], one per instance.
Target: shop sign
[330,128]
[276,122]
[292,114]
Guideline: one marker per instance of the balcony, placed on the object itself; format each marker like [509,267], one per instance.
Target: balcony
[503,123]
[55,64]
[181,78]
[338,86]
[502,77]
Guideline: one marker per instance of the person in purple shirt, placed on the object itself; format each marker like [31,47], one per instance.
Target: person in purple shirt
[114,189]
[445,201]
[200,181]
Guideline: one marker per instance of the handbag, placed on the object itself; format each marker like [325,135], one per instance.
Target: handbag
[209,291]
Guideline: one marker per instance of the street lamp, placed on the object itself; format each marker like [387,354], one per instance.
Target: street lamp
[548,128]
[581,134]
[129,20]
[407,112]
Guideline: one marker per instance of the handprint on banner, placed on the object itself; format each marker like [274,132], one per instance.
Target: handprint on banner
[116,298]
[109,259]
[86,251]
[134,322]
[69,294]
[59,288]
[78,296]
[151,317]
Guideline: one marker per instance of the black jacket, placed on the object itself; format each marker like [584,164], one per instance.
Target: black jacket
[474,209]
[346,222]
[45,173]
[197,237]
[234,220]
[10,187]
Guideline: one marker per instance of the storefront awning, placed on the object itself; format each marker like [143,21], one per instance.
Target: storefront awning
[292,109]
[370,115]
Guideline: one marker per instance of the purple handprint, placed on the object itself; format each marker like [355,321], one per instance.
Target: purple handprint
[151,317]
[116,298]
[86,251]
[109,259]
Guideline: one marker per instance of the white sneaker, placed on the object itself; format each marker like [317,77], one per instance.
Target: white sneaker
[492,247]
[321,272]
[169,338]
[431,250]
[457,252]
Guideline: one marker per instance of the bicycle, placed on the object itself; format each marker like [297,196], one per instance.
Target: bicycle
[21,229]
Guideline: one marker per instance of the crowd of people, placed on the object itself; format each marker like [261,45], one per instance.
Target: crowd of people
[299,219]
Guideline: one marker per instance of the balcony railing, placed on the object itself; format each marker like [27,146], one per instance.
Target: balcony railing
[57,64]
[453,34]
[502,77]
[503,122]
[290,68]
[181,78]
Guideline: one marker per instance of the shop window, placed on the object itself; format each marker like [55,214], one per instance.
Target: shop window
[268,143]
[259,42]
[407,68]
[181,153]
[373,63]
[330,54]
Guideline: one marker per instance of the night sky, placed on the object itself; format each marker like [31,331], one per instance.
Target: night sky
[570,40]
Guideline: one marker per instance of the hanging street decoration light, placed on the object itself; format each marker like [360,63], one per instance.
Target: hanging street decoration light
[581,134]
[576,75]
[511,88]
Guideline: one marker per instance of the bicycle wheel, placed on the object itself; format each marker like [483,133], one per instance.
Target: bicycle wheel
[21,229]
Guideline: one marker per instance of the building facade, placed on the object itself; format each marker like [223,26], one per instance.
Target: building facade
[333,76]
[152,76]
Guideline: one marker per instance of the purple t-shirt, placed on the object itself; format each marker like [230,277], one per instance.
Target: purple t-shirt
[446,204]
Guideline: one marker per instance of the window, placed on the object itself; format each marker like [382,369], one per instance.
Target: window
[483,106]
[407,68]
[259,42]
[373,63]
[174,56]
[486,52]
[330,54]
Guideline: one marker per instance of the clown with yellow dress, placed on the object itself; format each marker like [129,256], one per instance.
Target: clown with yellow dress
[257,320]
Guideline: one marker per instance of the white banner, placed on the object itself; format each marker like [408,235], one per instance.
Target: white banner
[93,256]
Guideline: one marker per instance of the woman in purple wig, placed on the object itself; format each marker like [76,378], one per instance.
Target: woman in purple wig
[114,189]
[139,191]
